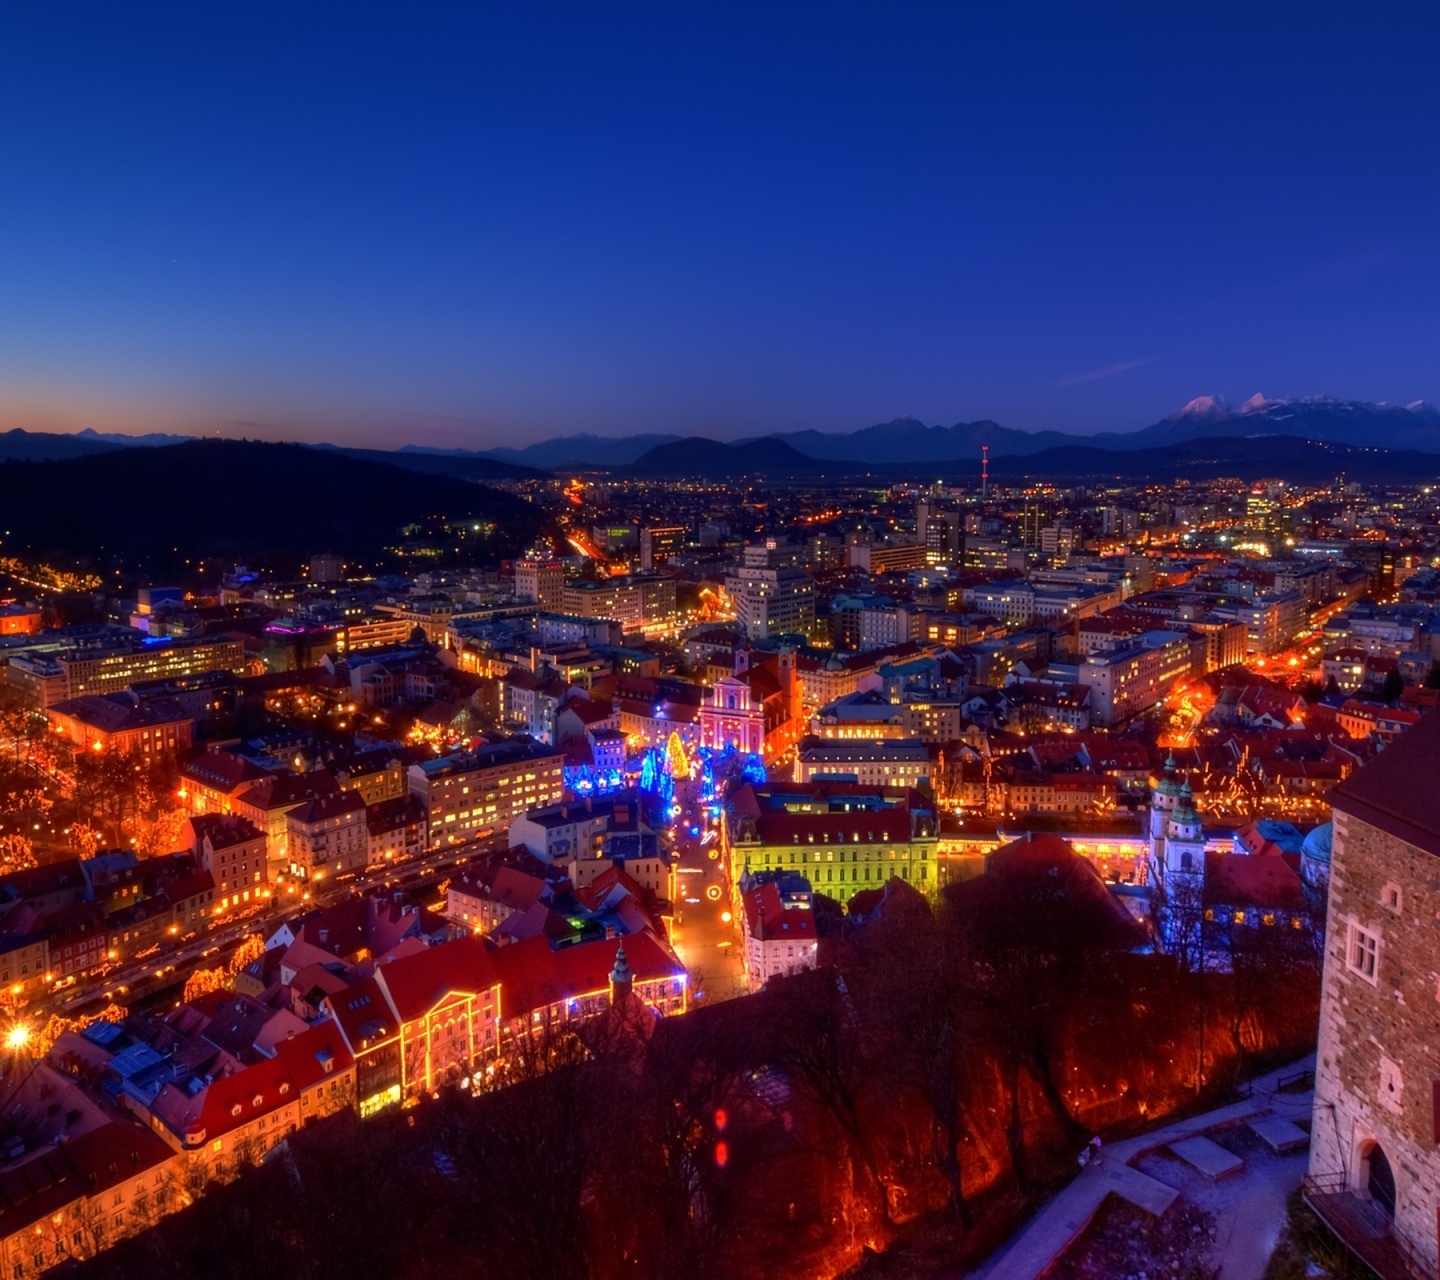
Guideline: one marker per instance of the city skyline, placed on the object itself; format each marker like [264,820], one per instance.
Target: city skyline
[476,232]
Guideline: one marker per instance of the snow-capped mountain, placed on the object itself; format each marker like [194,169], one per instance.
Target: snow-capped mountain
[1355,422]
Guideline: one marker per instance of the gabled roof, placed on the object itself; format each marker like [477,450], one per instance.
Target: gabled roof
[1268,881]
[767,919]
[1396,791]
[315,1055]
[417,983]
[224,830]
[324,807]
[90,1164]
[533,975]
[363,1015]
[222,770]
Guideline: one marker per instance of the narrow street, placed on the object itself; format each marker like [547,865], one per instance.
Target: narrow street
[707,943]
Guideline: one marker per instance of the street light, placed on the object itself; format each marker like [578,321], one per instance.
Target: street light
[17,1037]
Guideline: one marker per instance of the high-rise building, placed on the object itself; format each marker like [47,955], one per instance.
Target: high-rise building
[772,601]
[659,543]
[1032,520]
[637,601]
[327,567]
[541,582]
[940,532]
[476,793]
[111,670]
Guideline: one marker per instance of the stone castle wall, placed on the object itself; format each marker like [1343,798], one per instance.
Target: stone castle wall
[1378,1059]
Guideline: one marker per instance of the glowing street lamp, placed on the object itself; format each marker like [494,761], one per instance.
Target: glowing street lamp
[17,1037]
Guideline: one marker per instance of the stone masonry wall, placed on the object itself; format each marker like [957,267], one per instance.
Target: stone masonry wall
[1379,1043]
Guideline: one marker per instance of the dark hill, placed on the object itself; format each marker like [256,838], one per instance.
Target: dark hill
[41,446]
[465,465]
[713,460]
[154,509]
[582,450]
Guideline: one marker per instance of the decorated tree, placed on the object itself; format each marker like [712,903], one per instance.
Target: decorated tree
[203,981]
[16,852]
[677,761]
[85,839]
[57,1024]
[251,948]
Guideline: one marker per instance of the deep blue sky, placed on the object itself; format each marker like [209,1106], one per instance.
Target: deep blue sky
[487,224]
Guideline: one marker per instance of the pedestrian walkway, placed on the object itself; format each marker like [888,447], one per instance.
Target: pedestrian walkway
[1032,1249]
[1209,1157]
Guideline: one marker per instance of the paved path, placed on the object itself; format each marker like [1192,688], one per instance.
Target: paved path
[1029,1252]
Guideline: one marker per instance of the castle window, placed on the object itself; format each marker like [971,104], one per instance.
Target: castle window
[1390,897]
[1362,953]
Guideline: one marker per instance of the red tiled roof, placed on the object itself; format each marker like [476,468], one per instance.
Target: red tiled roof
[834,828]
[767,918]
[314,1055]
[89,1164]
[223,830]
[324,807]
[417,983]
[1263,880]
[282,791]
[222,770]
[533,976]
[1396,790]
[363,1015]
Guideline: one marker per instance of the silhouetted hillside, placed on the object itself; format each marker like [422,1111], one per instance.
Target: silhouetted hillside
[712,460]
[435,462]
[156,509]
[44,446]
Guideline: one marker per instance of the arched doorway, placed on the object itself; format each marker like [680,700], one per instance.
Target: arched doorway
[1380,1182]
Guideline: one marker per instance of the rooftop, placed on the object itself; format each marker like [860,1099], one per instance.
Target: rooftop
[1396,791]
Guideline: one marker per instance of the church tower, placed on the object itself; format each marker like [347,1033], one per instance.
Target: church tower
[1184,838]
[1177,876]
[622,982]
[1163,799]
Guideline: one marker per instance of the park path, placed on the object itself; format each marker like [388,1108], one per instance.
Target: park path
[1035,1246]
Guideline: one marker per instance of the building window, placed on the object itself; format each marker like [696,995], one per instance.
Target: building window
[1390,897]
[1362,953]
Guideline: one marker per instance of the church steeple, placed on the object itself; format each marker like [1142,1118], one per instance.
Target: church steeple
[622,980]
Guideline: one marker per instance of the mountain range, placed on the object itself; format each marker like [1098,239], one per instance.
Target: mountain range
[904,441]
[1248,457]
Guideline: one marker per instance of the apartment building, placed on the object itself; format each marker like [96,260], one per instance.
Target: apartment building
[472,793]
[638,601]
[110,670]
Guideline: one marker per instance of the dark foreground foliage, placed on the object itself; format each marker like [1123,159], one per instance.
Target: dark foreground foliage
[890,1116]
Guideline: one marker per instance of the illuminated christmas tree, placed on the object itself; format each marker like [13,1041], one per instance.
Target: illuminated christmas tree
[677,762]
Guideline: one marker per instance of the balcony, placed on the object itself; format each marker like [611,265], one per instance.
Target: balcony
[1364,1229]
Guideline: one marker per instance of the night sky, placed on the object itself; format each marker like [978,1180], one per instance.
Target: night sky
[492,223]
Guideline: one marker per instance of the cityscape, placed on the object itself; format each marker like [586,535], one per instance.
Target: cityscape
[729,843]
